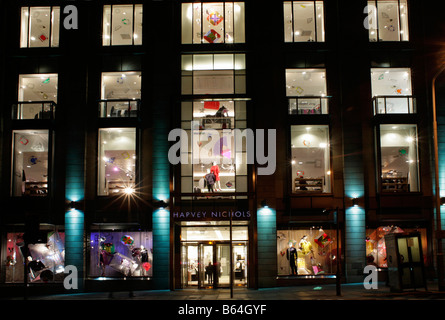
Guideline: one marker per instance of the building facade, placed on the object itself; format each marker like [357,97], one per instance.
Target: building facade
[175,144]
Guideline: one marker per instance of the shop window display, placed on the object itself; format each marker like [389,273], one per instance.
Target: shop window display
[220,163]
[376,246]
[30,163]
[303,21]
[399,158]
[121,254]
[216,22]
[306,90]
[310,162]
[39,27]
[117,161]
[45,261]
[392,91]
[122,25]
[311,251]
[388,20]
[120,94]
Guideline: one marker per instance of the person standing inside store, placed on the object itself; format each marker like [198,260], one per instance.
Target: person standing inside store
[210,180]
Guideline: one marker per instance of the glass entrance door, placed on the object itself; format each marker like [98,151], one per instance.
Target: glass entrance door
[206,263]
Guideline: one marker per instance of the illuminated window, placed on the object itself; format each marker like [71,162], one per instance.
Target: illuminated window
[304,21]
[117,161]
[122,25]
[306,91]
[30,163]
[216,22]
[392,91]
[388,20]
[39,27]
[310,163]
[399,158]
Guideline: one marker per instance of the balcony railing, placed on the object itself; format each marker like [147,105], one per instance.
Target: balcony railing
[308,105]
[394,104]
[24,110]
[119,108]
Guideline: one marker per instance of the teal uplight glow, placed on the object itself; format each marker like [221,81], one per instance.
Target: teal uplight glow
[267,245]
[161,248]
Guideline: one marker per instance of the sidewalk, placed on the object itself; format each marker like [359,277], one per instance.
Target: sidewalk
[354,291]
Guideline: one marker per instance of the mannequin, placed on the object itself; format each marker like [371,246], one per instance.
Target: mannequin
[304,248]
[215,170]
[291,255]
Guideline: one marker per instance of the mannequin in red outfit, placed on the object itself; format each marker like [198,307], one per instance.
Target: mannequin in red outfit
[215,170]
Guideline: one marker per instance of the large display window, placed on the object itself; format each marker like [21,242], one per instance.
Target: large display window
[392,91]
[45,261]
[399,158]
[388,20]
[30,162]
[121,253]
[306,90]
[310,164]
[376,245]
[303,21]
[307,251]
[215,22]
[39,27]
[219,158]
[122,25]
[117,161]
[120,94]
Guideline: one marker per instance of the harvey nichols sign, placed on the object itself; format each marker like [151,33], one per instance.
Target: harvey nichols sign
[211,215]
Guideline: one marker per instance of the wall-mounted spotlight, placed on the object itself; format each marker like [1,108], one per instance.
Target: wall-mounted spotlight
[161,204]
[73,205]
[264,204]
[355,202]
[442,201]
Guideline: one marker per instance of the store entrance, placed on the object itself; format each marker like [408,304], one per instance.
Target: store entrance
[207,264]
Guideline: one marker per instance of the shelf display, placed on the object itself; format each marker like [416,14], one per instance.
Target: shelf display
[309,251]
[45,261]
[121,254]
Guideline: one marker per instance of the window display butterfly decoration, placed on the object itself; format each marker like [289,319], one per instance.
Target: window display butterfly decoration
[214,18]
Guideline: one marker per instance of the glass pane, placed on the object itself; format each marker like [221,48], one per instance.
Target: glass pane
[24,27]
[39,26]
[388,20]
[30,163]
[310,159]
[404,31]
[306,82]
[121,254]
[223,264]
[117,161]
[137,35]
[122,25]
[197,25]
[186,23]
[304,22]
[372,21]
[399,158]
[391,82]
[38,87]
[311,251]
[239,21]
[213,22]
[106,25]
[213,82]
[206,274]
[287,7]
[55,26]
[320,21]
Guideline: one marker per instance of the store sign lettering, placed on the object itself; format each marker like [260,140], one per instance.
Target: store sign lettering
[211,214]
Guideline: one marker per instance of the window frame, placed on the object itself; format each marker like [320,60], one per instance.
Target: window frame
[376,38]
[107,38]
[318,34]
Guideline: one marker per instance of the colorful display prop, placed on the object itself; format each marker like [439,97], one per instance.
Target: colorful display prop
[323,240]
[212,36]
[127,240]
[214,105]
[109,247]
[214,18]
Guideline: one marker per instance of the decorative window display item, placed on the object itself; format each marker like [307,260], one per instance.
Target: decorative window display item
[303,21]
[216,22]
[121,254]
[39,27]
[122,25]
[388,20]
[308,251]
